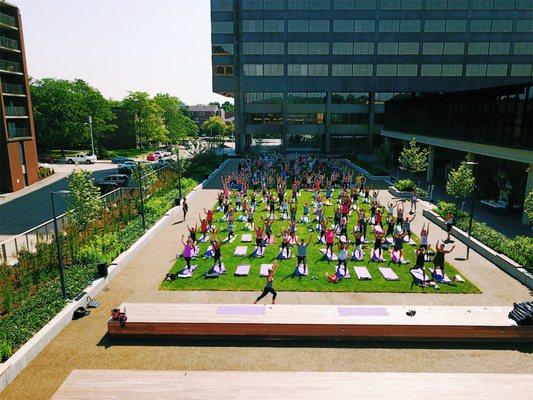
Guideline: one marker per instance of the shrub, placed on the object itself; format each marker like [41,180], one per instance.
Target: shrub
[44,172]
[405,185]
[520,249]
[5,350]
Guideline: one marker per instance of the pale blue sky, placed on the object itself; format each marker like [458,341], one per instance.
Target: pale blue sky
[121,45]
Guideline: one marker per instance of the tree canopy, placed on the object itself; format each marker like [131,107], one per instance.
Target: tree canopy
[528,207]
[61,109]
[460,182]
[84,200]
[216,126]
[413,158]
[176,117]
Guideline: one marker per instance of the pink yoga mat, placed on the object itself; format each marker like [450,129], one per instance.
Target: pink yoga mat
[240,310]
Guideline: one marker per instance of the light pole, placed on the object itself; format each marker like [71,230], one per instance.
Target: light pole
[473,201]
[91,129]
[58,242]
[139,172]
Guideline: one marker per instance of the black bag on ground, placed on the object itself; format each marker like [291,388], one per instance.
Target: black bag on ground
[522,313]
[80,312]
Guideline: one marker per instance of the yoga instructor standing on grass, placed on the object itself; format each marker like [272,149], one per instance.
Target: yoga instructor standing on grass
[268,287]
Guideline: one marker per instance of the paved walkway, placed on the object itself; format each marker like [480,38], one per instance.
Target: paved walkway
[83,344]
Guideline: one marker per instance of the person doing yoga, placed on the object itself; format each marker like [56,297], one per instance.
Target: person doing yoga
[269,284]
[188,249]
[438,260]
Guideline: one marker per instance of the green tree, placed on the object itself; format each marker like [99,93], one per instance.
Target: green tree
[84,200]
[61,109]
[149,177]
[228,107]
[528,207]
[230,129]
[176,118]
[216,126]
[148,118]
[460,182]
[413,158]
[215,103]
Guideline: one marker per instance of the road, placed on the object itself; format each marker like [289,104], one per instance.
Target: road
[22,213]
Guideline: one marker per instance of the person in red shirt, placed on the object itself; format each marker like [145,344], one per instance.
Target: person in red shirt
[209,217]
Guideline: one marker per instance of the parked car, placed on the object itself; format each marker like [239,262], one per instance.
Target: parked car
[120,160]
[81,158]
[163,153]
[119,179]
[160,164]
[126,167]
[152,157]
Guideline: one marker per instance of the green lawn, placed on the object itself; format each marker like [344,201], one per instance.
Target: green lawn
[319,267]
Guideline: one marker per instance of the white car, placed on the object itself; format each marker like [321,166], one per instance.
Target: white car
[81,158]
[162,153]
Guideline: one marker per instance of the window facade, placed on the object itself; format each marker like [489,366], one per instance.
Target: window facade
[222,49]
[307,69]
[349,118]
[223,70]
[306,97]
[263,69]
[263,97]
[222,27]
[350,98]
[305,118]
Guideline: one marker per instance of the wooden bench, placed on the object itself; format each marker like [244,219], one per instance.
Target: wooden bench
[320,321]
[159,385]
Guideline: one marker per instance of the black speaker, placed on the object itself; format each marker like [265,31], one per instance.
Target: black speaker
[102,270]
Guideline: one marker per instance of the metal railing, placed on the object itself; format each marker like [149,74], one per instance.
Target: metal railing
[28,240]
[8,20]
[9,43]
[10,88]
[10,66]
[15,133]
[12,111]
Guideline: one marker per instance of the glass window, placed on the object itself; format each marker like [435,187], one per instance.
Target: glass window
[263,97]
[524,25]
[349,118]
[298,4]
[222,27]
[253,69]
[525,48]
[349,98]
[274,25]
[504,4]
[252,48]
[365,4]
[273,69]
[476,70]
[482,4]
[252,4]
[297,69]
[363,48]
[452,69]
[524,4]
[386,69]
[298,48]
[273,5]
[343,48]
[433,48]
[223,70]
[308,118]
[499,47]
[455,25]
[521,70]
[343,25]
[457,4]
[389,25]
[502,25]
[341,70]
[223,49]
[318,69]
[344,4]
[222,5]
[408,48]
[497,70]
[431,70]
[411,4]
[364,25]
[434,25]
[319,4]
[407,69]
[452,48]
[477,48]
[319,25]
[362,70]
[318,48]
[410,25]
[306,98]
[390,4]
[274,48]
[480,25]
[298,25]
[436,5]
[388,48]
[252,25]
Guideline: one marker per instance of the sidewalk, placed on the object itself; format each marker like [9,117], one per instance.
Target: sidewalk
[83,344]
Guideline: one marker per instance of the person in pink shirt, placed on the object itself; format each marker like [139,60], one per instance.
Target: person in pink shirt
[330,236]
[187,250]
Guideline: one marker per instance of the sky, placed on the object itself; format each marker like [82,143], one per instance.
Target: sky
[119,46]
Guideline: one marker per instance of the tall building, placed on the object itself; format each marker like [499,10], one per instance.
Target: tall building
[315,73]
[18,153]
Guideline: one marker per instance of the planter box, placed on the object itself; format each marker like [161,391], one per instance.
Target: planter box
[503,262]
[404,195]
[23,356]
[365,172]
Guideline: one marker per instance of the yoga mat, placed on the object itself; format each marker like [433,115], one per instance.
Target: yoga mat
[240,250]
[264,269]
[246,237]
[240,310]
[363,312]
[242,270]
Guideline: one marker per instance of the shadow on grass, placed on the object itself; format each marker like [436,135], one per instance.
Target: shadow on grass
[322,343]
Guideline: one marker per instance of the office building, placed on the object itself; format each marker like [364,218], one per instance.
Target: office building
[315,73]
[201,113]
[18,153]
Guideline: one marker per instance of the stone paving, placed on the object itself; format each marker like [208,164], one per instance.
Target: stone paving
[83,344]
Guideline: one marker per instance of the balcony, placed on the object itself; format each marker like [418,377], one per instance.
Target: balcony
[9,89]
[18,133]
[8,20]
[12,111]
[10,66]
[8,43]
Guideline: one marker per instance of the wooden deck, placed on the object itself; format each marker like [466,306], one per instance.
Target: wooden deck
[159,385]
[320,321]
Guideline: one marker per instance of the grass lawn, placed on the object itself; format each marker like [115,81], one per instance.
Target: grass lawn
[319,267]
[131,153]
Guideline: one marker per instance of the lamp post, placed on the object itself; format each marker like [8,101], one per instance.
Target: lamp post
[91,129]
[473,201]
[139,172]
[58,242]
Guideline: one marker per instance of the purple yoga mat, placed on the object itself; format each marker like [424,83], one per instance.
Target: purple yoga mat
[363,312]
[240,310]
